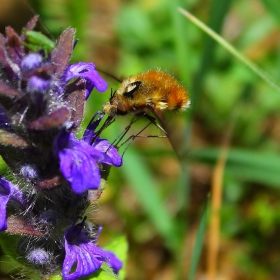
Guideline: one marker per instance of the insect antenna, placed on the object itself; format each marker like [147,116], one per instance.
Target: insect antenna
[107,123]
[124,132]
[109,75]
[29,6]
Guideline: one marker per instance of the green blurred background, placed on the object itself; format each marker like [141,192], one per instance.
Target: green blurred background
[155,201]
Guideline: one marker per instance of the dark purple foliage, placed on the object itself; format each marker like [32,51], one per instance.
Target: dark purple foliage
[42,100]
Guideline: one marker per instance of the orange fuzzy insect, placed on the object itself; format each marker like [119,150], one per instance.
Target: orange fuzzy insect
[151,91]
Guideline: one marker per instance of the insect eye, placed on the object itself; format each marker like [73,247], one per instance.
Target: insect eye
[131,88]
[121,109]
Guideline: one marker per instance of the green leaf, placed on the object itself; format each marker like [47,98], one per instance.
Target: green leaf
[55,277]
[10,251]
[5,243]
[104,273]
[119,247]
[8,244]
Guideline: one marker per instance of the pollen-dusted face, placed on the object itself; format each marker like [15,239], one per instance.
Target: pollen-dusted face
[146,92]
[122,100]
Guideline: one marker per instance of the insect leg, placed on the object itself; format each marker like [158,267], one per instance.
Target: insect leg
[131,138]
[122,135]
[153,121]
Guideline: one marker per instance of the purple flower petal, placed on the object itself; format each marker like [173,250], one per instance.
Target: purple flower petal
[78,249]
[88,72]
[110,153]
[113,262]
[85,255]
[8,191]
[4,198]
[87,258]
[78,162]
[79,169]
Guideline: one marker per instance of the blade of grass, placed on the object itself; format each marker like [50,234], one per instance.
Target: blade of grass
[273,6]
[183,51]
[246,165]
[216,201]
[146,190]
[231,49]
[198,243]
[181,47]
[244,157]
[217,15]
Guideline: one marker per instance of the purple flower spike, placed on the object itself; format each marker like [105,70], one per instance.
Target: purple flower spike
[42,105]
[39,84]
[110,153]
[31,62]
[38,256]
[88,72]
[78,162]
[86,255]
[8,191]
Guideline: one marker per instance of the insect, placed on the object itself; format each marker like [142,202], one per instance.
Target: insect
[151,91]
[38,41]
[148,92]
